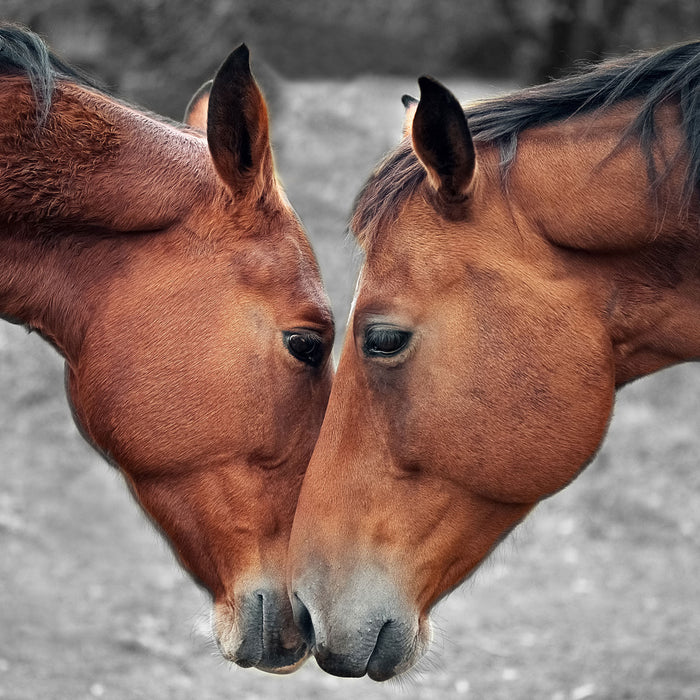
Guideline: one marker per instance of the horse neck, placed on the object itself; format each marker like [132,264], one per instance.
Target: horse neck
[634,249]
[76,198]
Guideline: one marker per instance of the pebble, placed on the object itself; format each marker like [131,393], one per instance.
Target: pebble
[462,686]
[583,691]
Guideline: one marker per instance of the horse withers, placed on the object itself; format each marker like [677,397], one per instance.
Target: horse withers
[519,267]
[168,268]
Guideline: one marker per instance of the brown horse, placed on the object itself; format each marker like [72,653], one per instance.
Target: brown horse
[169,270]
[518,270]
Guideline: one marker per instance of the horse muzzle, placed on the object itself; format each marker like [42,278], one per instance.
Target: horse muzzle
[259,631]
[365,629]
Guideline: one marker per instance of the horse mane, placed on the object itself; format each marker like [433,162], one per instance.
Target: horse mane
[651,77]
[46,171]
[24,53]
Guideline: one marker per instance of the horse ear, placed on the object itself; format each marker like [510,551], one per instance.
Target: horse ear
[410,103]
[442,141]
[198,107]
[237,127]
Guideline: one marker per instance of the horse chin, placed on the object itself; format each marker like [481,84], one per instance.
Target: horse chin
[259,632]
[285,670]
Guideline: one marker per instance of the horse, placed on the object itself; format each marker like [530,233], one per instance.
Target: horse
[524,257]
[167,267]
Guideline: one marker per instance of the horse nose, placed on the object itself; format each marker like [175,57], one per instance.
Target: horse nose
[367,636]
[269,638]
[339,663]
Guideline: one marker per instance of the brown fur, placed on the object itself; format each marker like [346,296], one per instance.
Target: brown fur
[167,279]
[528,306]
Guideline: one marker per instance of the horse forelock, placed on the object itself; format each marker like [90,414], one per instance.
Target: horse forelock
[649,78]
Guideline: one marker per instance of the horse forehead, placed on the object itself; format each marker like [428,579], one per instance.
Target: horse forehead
[282,266]
[433,259]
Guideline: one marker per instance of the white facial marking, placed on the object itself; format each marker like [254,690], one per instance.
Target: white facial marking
[357,292]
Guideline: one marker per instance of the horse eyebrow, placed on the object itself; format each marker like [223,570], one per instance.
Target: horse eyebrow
[318,314]
[651,76]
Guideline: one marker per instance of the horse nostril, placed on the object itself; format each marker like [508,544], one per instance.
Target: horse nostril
[268,636]
[250,651]
[302,618]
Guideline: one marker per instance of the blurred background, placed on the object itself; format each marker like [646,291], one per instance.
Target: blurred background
[595,596]
[152,50]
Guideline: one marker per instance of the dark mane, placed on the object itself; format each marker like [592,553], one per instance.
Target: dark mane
[652,77]
[24,53]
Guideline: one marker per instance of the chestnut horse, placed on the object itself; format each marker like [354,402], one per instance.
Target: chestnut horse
[517,271]
[169,270]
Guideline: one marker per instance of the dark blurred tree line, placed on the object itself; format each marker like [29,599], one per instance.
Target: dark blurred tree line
[156,51]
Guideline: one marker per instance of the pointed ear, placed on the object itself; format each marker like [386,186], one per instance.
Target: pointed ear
[198,107]
[410,104]
[237,127]
[442,141]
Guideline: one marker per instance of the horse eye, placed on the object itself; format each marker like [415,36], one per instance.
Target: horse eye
[381,341]
[305,346]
